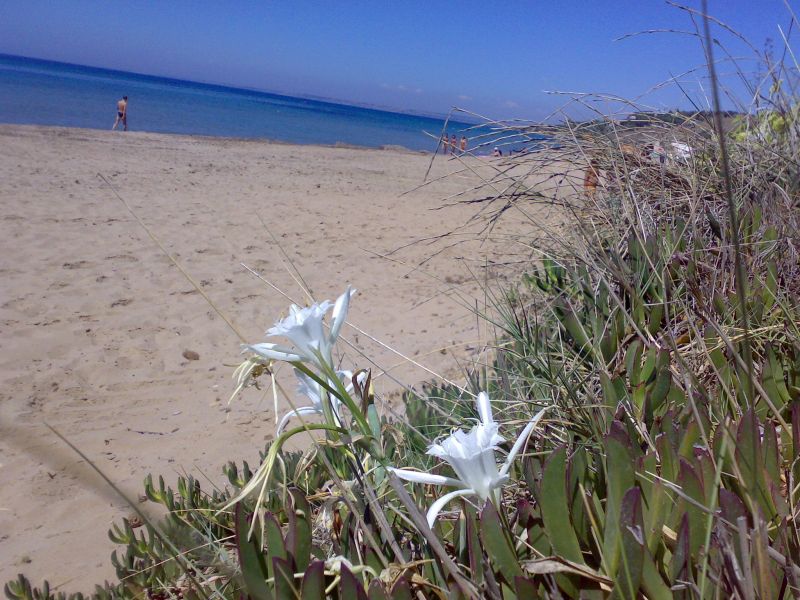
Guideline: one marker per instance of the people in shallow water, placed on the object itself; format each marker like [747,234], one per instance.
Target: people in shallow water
[497,152]
[122,114]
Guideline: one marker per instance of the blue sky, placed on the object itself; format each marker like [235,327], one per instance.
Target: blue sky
[496,58]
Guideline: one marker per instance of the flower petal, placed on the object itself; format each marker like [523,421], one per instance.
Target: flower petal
[340,313]
[437,506]
[309,388]
[429,478]
[523,437]
[303,410]
[274,352]
[484,408]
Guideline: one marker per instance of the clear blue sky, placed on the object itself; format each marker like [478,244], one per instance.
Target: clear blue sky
[496,58]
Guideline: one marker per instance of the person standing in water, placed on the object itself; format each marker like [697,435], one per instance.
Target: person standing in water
[122,114]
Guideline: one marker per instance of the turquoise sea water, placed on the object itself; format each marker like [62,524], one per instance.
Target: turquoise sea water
[41,92]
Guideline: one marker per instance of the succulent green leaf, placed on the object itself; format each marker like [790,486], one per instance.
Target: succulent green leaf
[631,532]
[497,544]
[350,586]
[284,578]
[376,591]
[298,538]
[473,545]
[619,478]
[526,588]
[401,590]
[275,545]
[313,586]
[555,508]
[251,558]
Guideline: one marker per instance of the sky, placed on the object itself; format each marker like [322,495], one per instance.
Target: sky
[497,59]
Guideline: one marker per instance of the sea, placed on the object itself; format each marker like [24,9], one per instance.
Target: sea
[41,92]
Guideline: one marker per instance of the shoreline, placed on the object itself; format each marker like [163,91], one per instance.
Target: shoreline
[212,138]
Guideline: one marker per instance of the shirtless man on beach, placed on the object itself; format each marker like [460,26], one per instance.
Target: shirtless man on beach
[122,114]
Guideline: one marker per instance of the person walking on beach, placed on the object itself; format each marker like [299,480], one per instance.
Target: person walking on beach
[453,144]
[122,114]
[463,144]
[445,143]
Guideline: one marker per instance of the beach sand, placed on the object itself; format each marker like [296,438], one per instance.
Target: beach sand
[96,321]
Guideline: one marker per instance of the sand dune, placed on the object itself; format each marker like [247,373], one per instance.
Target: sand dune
[96,320]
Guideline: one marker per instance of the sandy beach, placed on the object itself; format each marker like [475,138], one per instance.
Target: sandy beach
[97,322]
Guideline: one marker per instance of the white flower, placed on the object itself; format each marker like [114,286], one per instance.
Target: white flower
[472,456]
[316,393]
[304,329]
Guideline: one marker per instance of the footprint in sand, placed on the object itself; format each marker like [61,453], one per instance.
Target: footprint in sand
[122,302]
[125,257]
[76,265]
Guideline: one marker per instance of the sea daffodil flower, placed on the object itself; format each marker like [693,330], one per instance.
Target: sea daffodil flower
[316,393]
[472,456]
[304,329]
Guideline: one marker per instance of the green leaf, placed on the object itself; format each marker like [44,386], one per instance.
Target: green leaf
[497,544]
[251,558]
[750,460]
[284,578]
[574,327]
[298,538]
[401,590]
[555,508]
[276,547]
[656,318]
[659,503]
[631,530]
[474,550]
[313,587]
[526,588]
[648,370]
[680,567]
[661,386]
[376,591]
[690,484]
[652,582]
[619,478]
[633,362]
[374,421]
[350,585]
